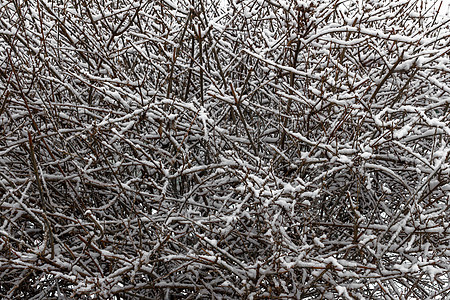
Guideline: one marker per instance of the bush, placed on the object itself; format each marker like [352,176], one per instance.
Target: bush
[224,149]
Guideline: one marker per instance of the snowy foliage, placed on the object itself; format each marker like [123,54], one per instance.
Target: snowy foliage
[227,149]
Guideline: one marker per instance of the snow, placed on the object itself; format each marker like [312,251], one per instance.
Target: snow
[402,132]
[114,173]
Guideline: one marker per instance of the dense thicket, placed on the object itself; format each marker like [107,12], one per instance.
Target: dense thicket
[227,149]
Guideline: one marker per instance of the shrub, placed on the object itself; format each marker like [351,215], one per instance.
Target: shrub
[224,149]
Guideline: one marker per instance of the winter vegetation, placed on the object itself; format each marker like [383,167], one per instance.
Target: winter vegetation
[224,149]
